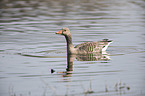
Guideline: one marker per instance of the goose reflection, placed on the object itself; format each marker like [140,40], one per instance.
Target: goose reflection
[87,57]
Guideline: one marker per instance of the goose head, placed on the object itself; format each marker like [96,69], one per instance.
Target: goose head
[64,31]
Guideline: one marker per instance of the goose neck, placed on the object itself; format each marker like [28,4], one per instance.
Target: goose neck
[70,47]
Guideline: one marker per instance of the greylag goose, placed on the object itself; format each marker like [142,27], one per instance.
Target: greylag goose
[84,48]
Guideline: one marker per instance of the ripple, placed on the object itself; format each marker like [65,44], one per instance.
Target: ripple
[39,56]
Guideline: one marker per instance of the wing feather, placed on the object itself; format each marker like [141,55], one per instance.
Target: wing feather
[89,47]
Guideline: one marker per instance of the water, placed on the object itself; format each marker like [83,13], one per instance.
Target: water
[29,48]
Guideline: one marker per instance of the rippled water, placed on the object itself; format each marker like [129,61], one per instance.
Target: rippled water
[29,48]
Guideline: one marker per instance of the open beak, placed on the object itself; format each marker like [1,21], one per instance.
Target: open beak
[59,32]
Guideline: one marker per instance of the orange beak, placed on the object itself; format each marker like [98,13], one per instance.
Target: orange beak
[59,32]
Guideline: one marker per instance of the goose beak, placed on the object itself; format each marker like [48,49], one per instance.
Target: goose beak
[59,32]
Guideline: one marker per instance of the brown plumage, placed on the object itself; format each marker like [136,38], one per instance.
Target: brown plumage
[84,48]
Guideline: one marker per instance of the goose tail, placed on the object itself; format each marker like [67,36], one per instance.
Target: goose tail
[108,42]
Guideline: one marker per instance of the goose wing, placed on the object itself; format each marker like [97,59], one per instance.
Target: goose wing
[89,47]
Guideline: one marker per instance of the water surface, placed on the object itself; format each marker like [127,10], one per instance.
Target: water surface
[29,48]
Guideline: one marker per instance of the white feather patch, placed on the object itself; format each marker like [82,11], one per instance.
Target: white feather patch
[105,48]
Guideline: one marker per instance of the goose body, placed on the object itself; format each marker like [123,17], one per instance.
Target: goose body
[84,48]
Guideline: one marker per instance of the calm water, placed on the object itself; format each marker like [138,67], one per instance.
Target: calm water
[29,48]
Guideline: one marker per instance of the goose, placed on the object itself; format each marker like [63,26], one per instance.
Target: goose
[84,48]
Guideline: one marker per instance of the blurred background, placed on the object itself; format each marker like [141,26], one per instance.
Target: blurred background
[29,47]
